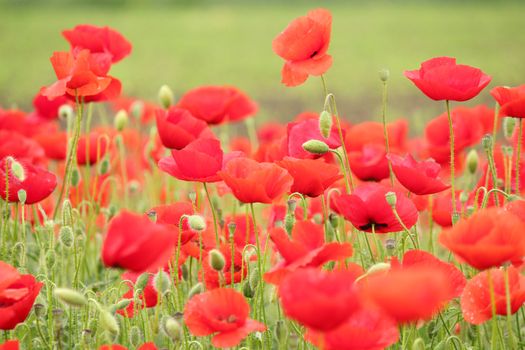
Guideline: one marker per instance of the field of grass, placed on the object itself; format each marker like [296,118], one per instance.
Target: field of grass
[185,46]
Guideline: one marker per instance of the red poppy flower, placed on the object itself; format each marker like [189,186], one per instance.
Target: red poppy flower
[48,108]
[222,313]
[369,163]
[171,214]
[25,124]
[78,77]
[17,295]
[37,182]
[366,329]
[418,177]
[321,300]
[218,104]
[20,147]
[98,40]
[302,131]
[442,208]
[306,248]
[409,294]
[177,127]
[441,78]
[10,345]
[366,133]
[511,100]
[54,144]
[517,207]
[488,238]
[367,207]
[240,268]
[310,177]
[148,296]
[476,301]
[91,148]
[303,45]
[253,182]
[270,132]
[136,243]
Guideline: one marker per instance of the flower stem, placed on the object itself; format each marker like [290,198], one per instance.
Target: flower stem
[214,215]
[452,178]
[385,131]
[518,155]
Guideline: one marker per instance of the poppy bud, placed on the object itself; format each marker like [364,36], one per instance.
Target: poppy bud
[40,310]
[216,260]
[253,279]
[384,74]
[316,147]
[196,289]
[289,221]
[70,297]
[281,331]
[135,336]
[379,267]
[104,166]
[472,161]
[66,236]
[161,281]
[22,196]
[58,315]
[173,329]
[51,258]
[17,170]
[486,142]
[334,220]
[108,322]
[75,177]
[418,344]
[325,123]
[463,197]
[185,272]
[124,303]
[391,199]
[196,223]
[507,151]
[136,109]
[247,290]
[166,97]
[121,120]
[65,112]
[508,127]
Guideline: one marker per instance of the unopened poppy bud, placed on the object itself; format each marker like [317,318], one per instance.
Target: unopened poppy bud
[66,236]
[384,74]
[379,267]
[51,259]
[75,177]
[17,170]
[316,147]
[173,329]
[253,279]
[65,112]
[196,223]
[281,331]
[325,123]
[291,205]
[391,199]
[289,221]
[135,336]
[40,310]
[247,290]
[216,260]
[196,289]
[136,109]
[418,344]
[108,322]
[334,220]
[161,281]
[166,97]
[185,272]
[486,142]
[463,197]
[70,297]
[121,120]
[472,161]
[58,318]
[455,218]
[22,196]
[124,303]
[104,166]
[509,124]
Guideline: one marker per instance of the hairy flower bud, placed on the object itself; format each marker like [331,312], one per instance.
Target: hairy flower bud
[216,260]
[472,161]
[196,223]
[173,329]
[196,289]
[166,97]
[391,199]
[325,123]
[161,281]
[316,147]
[121,120]
[509,125]
[70,297]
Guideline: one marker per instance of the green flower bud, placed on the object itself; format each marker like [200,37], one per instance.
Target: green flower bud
[166,97]
[509,125]
[51,259]
[135,336]
[22,196]
[66,236]
[315,147]
[40,310]
[75,177]
[124,303]
[289,221]
[419,344]
[185,272]
[391,199]
[104,166]
[162,282]
[325,123]
[70,297]
[247,290]
[121,120]
[196,223]
[463,197]
[253,278]
[486,142]
[384,74]
[334,220]
[216,260]
[136,109]
[173,329]
[65,112]
[196,289]
[472,161]
[17,170]
[108,322]
[379,267]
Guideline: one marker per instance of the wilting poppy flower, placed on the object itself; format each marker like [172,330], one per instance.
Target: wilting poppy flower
[321,300]
[177,127]
[303,45]
[17,295]
[409,294]
[511,100]
[48,108]
[78,77]
[302,131]
[37,182]
[211,277]
[136,243]
[218,104]
[148,296]
[310,177]
[20,147]
[476,301]
[306,248]
[10,345]
[253,182]
[367,207]
[488,238]
[201,160]
[418,177]
[91,148]
[171,214]
[222,313]
[441,78]
[366,329]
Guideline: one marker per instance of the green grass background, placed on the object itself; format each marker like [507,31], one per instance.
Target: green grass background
[209,42]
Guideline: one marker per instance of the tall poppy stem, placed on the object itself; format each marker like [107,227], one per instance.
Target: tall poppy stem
[214,215]
[495,328]
[518,154]
[452,174]
[509,310]
[385,131]
[71,158]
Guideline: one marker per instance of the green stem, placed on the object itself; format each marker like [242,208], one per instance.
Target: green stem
[452,175]
[214,215]
[385,131]
[506,276]
[518,155]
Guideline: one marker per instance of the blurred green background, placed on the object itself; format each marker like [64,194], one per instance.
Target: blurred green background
[190,43]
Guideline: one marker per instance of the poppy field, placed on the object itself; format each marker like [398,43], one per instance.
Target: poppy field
[129,223]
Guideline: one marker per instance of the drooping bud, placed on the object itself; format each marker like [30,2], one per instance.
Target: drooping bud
[135,336]
[104,166]
[391,199]
[509,124]
[121,120]
[384,74]
[196,289]
[51,259]
[108,322]
[315,147]
[253,279]
[22,196]
[472,161]
[65,112]
[66,236]
[75,177]
[161,281]
[334,220]
[166,97]
[325,123]
[173,329]
[40,310]
[196,223]
[70,297]
[124,303]
[291,205]
[216,260]
[247,290]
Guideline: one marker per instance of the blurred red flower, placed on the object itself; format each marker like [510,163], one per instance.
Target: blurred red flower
[10,345]
[177,127]
[511,100]
[302,131]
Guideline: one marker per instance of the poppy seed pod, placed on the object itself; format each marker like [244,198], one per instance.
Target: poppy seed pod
[316,147]
[121,120]
[472,161]
[65,112]
[166,97]
[196,223]
[22,196]
[66,236]
[384,74]
[391,199]
[325,123]
[70,297]
[509,124]
[486,142]
[216,260]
